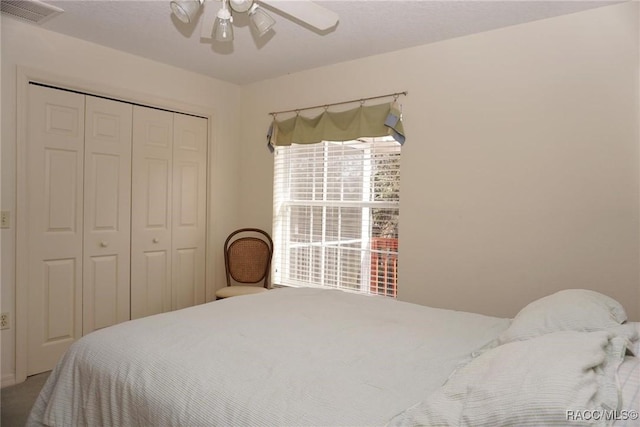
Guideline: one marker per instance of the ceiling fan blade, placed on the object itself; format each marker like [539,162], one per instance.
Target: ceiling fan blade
[307,12]
[208,18]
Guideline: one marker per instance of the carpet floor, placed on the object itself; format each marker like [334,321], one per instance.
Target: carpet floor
[16,401]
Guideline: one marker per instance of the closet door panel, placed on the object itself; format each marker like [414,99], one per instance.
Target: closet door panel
[156,263]
[189,210]
[151,213]
[107,213]
[55,156]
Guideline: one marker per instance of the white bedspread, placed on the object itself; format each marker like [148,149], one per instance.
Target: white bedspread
[285,357]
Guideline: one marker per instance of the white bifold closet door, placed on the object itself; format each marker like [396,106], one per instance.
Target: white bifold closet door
[107,213]
[116,216]
[169,211]
[79,185]
[189,211]
[55,158]
[151,212]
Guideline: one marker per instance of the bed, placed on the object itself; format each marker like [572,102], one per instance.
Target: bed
[312,357]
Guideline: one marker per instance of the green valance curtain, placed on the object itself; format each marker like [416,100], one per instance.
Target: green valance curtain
[364,121]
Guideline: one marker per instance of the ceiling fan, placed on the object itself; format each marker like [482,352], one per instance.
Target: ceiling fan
[217,25]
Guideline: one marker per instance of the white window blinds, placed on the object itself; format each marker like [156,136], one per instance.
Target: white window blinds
[336,211]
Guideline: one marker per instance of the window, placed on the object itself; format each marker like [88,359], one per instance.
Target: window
[336,211]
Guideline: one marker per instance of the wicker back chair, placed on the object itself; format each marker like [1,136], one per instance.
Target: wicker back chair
[247,260]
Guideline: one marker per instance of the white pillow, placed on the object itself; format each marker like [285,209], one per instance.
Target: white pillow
[568,310]
[634,342]
[528,383]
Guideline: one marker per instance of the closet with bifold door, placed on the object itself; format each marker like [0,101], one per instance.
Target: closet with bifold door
[115,213]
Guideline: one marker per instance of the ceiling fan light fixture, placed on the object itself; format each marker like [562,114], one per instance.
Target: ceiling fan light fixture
[222,28]
[262,22]
[240,5]
[185,10]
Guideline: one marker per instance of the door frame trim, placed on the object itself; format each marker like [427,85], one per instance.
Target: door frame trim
[26,75]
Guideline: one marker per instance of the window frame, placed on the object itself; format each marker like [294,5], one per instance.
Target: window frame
[282,200]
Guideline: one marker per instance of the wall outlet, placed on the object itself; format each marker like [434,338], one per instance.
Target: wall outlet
[4,321]
[5,219]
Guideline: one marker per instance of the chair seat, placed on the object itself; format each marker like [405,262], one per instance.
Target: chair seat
[238,290]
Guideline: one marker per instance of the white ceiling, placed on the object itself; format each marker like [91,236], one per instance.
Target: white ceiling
[366,27]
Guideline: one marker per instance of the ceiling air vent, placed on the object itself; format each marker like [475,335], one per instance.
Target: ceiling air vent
[33,11]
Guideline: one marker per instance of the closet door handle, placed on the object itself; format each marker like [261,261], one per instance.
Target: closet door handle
[104,244]
[156,240]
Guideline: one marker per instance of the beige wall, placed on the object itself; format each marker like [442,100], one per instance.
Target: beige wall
[130,77]
[520,170]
